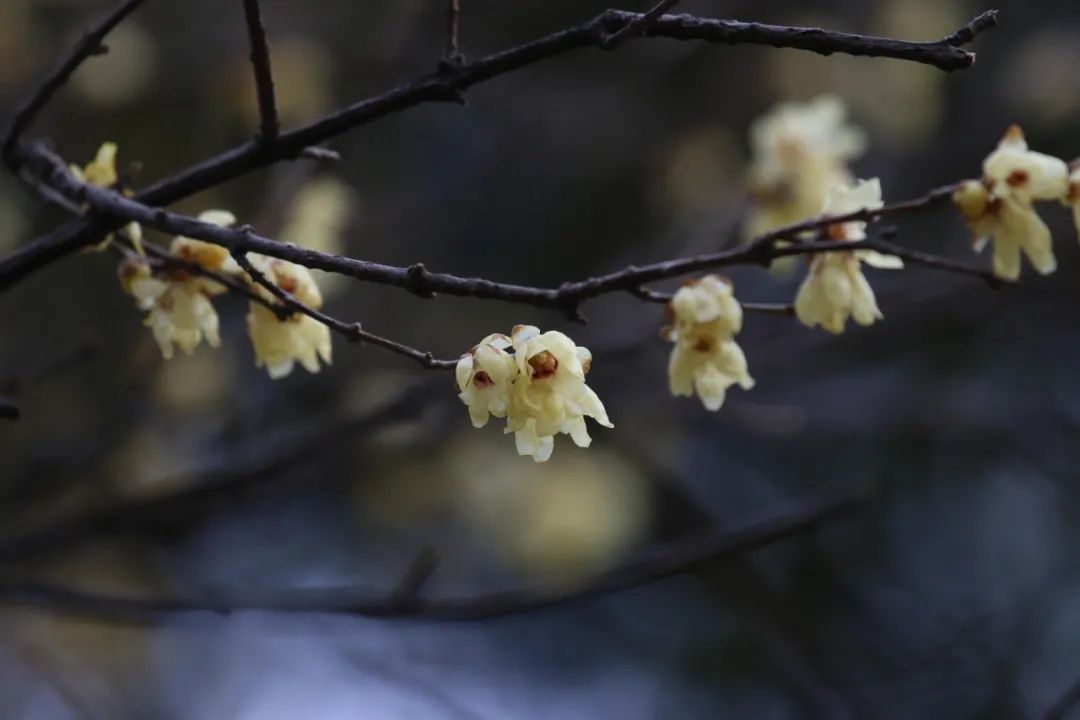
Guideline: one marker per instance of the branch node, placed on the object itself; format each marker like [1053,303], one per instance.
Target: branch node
[416,281]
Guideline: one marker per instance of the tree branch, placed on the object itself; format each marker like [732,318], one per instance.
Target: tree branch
[567,298]
[89,45]
[451,53]
[448,85]
[264,78]
[679,558]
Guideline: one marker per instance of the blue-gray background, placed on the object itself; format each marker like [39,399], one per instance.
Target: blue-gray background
[955,594]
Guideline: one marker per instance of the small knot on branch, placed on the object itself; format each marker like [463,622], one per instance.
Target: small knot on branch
[417,281]
[356,334]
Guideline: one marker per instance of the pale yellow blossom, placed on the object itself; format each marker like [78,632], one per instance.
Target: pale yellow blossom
[180,311]
[280,343]
[549,394]
[1000,207]
[706,359]
[835,287]
[485,376]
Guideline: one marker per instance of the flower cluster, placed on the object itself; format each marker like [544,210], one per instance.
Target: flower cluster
[1000,208]
[706,359]
[800,151]
[537,382]
[177,300]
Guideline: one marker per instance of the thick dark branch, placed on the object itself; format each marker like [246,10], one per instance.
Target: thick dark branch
[353,332]
[264,79]
[9,410]
[679,558]
[450,83]
[89,44]
[566,298]
[1065,703]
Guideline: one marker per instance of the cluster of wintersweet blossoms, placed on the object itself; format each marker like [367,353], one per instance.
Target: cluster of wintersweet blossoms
[536,380]
[177,299]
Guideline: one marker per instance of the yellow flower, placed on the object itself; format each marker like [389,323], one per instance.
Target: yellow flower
[800,151]
[180,311]
[485,376]
[280,343]
[835,287]
[209,256]
[706,358]
[1000,207]
[549,394]
[101,172]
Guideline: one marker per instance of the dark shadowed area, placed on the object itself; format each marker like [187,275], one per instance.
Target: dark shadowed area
[883,527]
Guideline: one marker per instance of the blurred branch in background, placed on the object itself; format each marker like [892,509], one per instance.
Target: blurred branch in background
[678,558]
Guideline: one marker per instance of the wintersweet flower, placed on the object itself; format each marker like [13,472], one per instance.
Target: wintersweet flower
[101,172]
[209,256]
[485,376]
[280,343]
[706,359]
[800,151]
[179,307]
[1000,207]
[549,394]
[835,287]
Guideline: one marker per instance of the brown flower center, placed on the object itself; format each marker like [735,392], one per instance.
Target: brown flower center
[1017,178]
[544,364]
[482,380]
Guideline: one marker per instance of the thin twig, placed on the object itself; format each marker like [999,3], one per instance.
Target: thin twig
[89,45]
[264,78]
[351,331]
[653,296]
[678,558]
[450,83]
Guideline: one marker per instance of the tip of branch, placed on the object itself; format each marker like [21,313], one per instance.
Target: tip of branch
[982,22]
[320,153]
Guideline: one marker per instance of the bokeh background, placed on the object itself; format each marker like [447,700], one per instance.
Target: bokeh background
[955,593]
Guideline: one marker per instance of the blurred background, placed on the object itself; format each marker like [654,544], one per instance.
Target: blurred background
[955,593]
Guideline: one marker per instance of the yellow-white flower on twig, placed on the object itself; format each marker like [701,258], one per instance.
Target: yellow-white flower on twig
[835,287]
[706,359]
[280,343]
[1000,207]
[101,172]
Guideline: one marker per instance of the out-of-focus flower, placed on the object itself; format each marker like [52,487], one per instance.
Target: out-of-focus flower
[316,219]
[280,343]
[706,358]
[101,172]
[179,304]
[1000,207]
[800,151]
[485,376]
[561,522]
[550,395]
[121,74]
[835,287]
